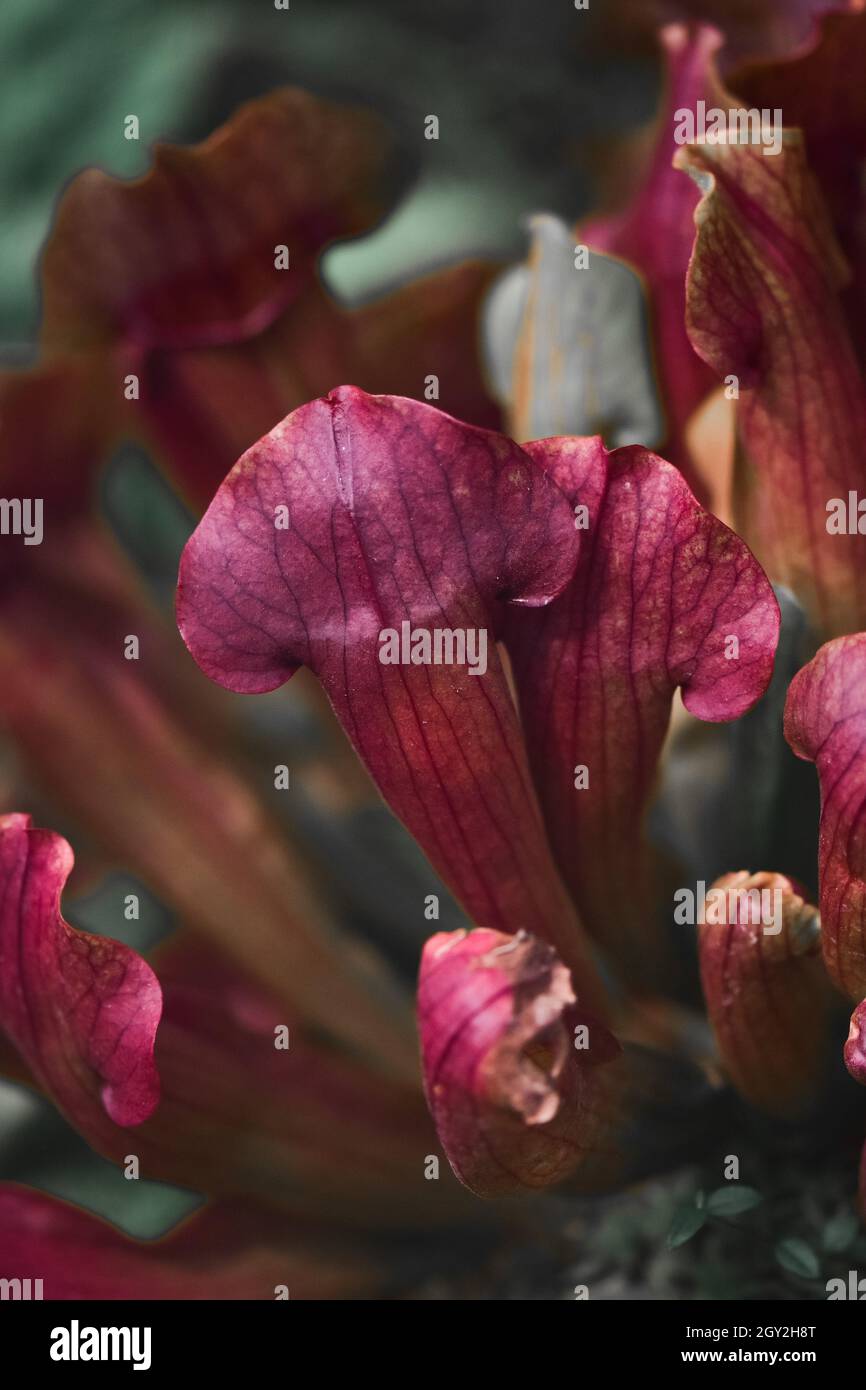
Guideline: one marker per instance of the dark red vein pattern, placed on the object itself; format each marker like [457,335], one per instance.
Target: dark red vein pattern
[82,1010]
[660,589]
[825,723]
[516,1104]
[398,513]
[763,305]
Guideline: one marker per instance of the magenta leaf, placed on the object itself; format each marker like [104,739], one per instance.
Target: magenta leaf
[748,26]
[855,1045]
[227,1251]
[82,1010]
[366,534]
[516,1075]
[664,595]
[825,723]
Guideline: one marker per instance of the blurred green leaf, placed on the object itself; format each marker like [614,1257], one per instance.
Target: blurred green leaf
[840,1232]
[798,1258]
[71,76]
[686,1223]
[732,1200]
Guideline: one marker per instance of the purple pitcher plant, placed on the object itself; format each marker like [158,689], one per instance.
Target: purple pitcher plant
[506,602]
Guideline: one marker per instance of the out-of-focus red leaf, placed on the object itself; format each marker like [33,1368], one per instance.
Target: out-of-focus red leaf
[516,1104]
[255,1105]
[766,989]
[82,1010]
[174,279]
[750,27]
[821,91]
[301,1124]
[663,596]
[121,752]
[204,407]
[186,255]
[55,422]
[398,515]
[654,234]
[763,307]
[224,1252]
[825,723]
[136,750]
